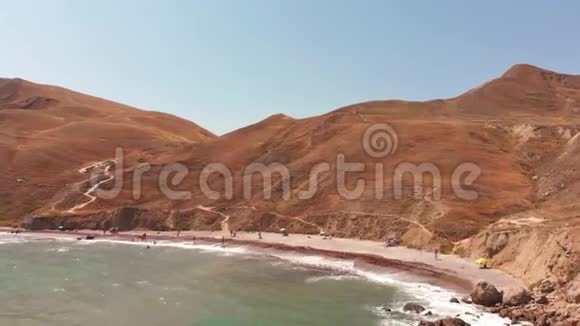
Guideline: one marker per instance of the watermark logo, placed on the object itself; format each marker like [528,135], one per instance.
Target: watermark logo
[378,141]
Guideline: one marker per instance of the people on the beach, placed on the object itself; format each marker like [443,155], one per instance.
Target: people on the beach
[391,242]
[260,235]
[436,253]
[223,241]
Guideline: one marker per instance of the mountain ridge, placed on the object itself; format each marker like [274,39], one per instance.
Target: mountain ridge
[520,129]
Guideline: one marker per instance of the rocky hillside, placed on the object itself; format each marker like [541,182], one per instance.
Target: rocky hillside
[48,133]
[520,131]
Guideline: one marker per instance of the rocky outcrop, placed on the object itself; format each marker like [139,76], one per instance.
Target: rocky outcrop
[573,293]
[486,294]
[533,253]
[546,287]
[449,321]
[542,315]
[540,308]
[516,297]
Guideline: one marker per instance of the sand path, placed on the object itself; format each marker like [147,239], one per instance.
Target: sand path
[89,193]
[225,225]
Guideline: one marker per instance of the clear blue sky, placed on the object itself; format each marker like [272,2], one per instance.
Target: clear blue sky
[227,64]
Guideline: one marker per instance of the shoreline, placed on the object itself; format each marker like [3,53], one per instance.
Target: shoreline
[448,271]
[433,288]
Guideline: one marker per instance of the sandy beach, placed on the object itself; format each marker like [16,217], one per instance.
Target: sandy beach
[448,271]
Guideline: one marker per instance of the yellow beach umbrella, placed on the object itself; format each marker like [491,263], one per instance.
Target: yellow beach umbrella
[482,261]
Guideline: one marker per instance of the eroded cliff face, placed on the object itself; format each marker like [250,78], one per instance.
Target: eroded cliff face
[533,254]
[127,218]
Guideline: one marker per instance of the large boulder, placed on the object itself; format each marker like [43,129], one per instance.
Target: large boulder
[413,307]
[449,321]
[517,297]
[486,294]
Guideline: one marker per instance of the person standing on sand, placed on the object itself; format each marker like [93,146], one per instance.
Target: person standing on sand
[223,241]
[260,235]
[436,253]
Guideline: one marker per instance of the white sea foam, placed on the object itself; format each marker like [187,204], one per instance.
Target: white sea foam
[227,250]
[61,249]
[6,238]
[433,298]
[9,238]
[323,278]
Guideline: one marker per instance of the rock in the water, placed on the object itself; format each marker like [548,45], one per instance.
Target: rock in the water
[454,300]
[444,322]
[467,300]
[426,323]
[517,297]
[385,308]
[413,307]
[486,294]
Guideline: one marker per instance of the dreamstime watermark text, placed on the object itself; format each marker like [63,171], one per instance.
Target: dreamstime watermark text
[379,143]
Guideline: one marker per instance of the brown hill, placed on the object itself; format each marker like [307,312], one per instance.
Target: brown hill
[47,133]
[520,130]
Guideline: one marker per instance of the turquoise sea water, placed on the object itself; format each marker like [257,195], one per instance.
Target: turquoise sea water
[50,282]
